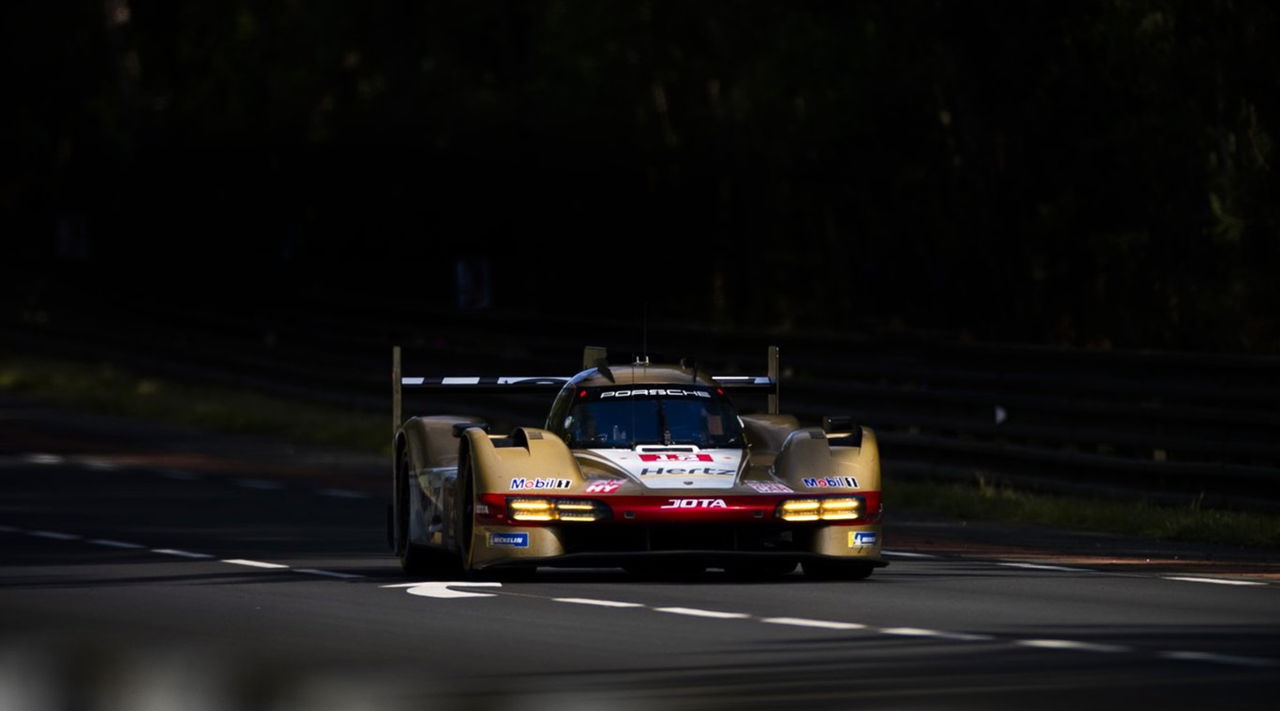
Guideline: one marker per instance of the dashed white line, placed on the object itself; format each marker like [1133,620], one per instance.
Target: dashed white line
[599,603]
[180,554]
[252,563]
[694,612]
[1216,581]
[823,624]
[1071,645]
[907,554]
[937,634]
[114,544]
[262,484]
[328,573]
[1220,659]
[54,535]
[343,494]
[442,590]
[1041,566]
[41,458]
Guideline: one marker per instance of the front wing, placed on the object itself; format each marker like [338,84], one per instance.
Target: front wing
[712,529]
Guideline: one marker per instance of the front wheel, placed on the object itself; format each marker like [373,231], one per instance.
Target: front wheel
[415,560]
[466,512]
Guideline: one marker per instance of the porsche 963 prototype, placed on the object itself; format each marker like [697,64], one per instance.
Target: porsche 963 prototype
[645,466]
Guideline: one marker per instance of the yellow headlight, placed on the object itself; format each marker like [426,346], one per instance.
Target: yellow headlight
[532,510]
[570,510]
[799,510]
[574,506]
[838,509]
[557,510]
[842,509]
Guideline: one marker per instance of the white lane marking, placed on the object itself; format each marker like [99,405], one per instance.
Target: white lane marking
[694,612]
[10,529]
[180,554]
[1071,644]
[42,458]
[343,494]
[252,563]
[262,484]
[328,573]
[1220,659]
[938,634]
[600,603]
[442,590]
[99,464]
[114,544]
[55,535]
[823,624]
[1041,566]
[906,554]
[1217,581]
[180,475]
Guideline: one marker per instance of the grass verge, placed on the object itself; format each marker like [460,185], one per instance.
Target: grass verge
[984,500]
[109,389]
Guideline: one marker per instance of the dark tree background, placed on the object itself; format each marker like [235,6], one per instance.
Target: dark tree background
[1086,173]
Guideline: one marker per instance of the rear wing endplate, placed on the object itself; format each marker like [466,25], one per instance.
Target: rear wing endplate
[760,383]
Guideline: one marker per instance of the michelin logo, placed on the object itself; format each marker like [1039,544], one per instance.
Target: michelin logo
[862,538]
[508,540]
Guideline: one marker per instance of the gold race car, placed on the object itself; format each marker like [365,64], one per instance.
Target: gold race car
[645,466]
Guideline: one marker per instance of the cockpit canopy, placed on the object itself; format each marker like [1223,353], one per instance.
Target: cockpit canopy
[623,417]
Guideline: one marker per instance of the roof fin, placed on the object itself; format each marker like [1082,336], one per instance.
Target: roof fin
[592,355]
[602,367]
[692,365]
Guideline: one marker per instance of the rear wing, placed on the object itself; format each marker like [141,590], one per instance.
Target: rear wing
[592,356]
[770,383]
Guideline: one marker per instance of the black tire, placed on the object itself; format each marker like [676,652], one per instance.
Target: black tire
[838,569]
[467,513]
[415,560]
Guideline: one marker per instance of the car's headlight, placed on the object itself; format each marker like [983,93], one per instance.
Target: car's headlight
[526,509]
[532,510]
[833,509]
[841,509]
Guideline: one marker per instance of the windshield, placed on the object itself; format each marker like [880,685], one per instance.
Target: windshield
[622,419]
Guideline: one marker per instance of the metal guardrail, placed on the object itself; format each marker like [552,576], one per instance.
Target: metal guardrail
[1169,426]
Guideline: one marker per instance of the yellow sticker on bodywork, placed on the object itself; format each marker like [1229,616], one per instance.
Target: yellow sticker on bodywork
[858,539]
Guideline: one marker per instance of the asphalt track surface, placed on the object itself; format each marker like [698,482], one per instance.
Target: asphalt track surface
[145,567]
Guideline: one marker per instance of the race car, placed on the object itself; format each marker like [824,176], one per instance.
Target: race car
[644,466]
